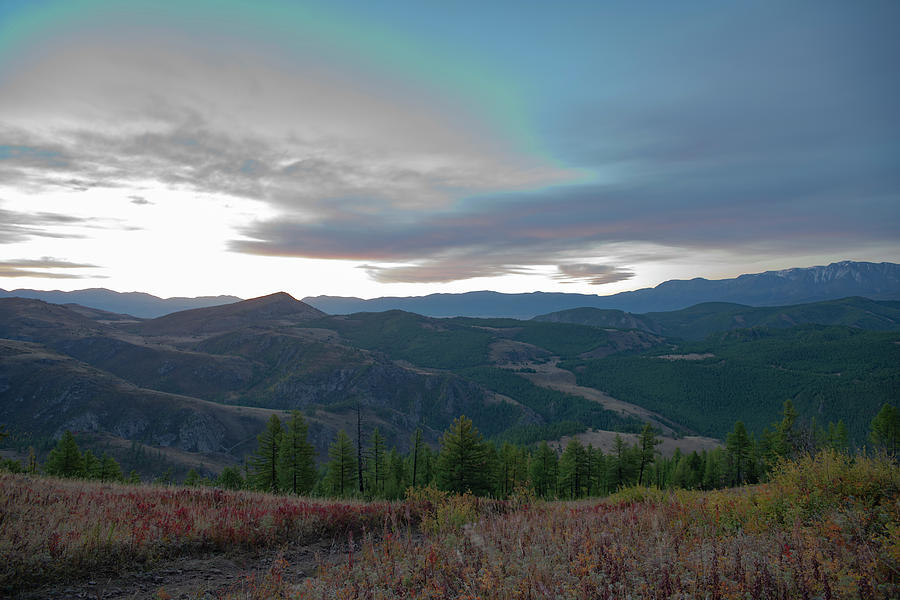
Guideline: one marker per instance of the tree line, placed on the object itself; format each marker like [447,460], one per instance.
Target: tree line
[284,461]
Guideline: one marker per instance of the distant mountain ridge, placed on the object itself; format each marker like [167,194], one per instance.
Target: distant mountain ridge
[876,281]
[138,304]
[700,320]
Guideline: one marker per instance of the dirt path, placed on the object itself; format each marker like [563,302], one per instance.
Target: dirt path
[549,376]
[203,577]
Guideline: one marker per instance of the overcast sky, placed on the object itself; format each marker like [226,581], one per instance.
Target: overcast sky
[404,148]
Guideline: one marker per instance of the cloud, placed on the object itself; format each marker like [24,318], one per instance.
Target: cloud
[592,274]
[38,268]
[18,226]
[139,200]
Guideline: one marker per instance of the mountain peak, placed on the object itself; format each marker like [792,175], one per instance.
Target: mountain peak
[277,307]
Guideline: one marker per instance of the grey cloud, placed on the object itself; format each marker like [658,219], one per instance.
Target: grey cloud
[591,273]
[18,226]
[139,200]
[448,268]
[36,268]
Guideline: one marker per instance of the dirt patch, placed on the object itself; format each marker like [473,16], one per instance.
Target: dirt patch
[606,441]
[549,376]
[204,577]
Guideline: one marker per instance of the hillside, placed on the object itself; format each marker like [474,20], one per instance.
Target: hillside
[830,374]
[700,320]
[277,353]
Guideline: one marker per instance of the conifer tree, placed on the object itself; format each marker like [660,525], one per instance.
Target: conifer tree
[885,429]
[342,466]
[416,451]
[785,431]
[192,479]
[296,457]
[739,446]
[32,461]
[230,479]
[620,451]
[264,464]
[91,468]
[109,469]
[648,450]
[712,470]
[463,463]
[397,479]
[375,465]
[65,460]
[427,463]
[573,469]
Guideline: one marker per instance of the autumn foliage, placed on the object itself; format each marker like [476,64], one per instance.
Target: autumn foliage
[826,526]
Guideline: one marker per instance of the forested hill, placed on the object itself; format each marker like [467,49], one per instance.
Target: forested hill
[829,373]
[701,320]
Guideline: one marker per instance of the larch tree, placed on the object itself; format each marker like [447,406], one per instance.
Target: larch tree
[417,444]
[648,450]
[463,463]
[375,464]
[543,471]
[341,466]
[264,464]
[296,457]
[574,468]
[739,446]
[885,431]
[65,460]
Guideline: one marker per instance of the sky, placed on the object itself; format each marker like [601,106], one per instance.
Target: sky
[404,148]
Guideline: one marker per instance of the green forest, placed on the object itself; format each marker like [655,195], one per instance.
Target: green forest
[829,373]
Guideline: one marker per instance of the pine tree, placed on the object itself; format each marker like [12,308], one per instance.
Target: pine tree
[785,432]
[342,466]
[375,465]
[620,472]
[296,458]
[65,460]
[192,479]
[109,469]
[416,451]
[463,463]
[712,470]
[739,446]
[91,468]
[32,461]
[885,431]
[648,450]
[573,470]
[230,479]
[264,464]
[397,479]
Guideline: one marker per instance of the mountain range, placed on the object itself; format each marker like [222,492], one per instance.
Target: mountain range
[137,304]
[876,281]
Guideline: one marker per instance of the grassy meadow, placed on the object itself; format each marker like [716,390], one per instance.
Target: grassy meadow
[824,526]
